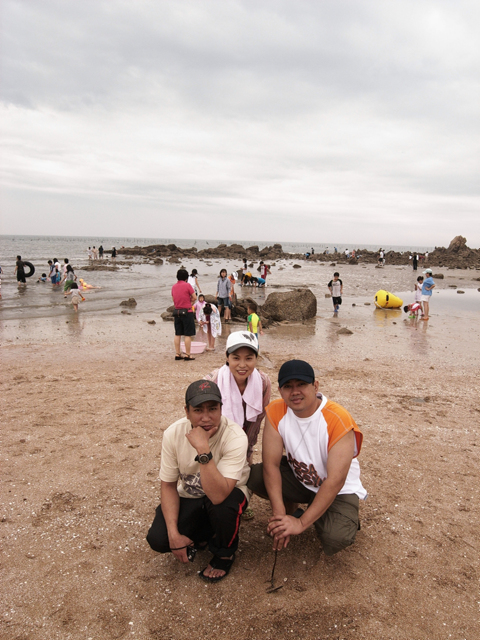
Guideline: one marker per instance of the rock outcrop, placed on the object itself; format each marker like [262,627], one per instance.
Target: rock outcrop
[458,243]
[458,255]
[131,302]
[297,305]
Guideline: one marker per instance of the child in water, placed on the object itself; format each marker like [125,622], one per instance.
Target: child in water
[76,296]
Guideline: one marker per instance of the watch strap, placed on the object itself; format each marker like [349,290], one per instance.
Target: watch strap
[209,455]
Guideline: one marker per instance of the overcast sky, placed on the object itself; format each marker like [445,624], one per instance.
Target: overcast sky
[309,121]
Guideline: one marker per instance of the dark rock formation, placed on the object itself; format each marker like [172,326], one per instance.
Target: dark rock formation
[458,255]
[98,267]
[131,302]
[297,305]
[457,244]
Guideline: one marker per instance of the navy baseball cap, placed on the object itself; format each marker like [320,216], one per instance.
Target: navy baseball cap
[202,391]
[296,370]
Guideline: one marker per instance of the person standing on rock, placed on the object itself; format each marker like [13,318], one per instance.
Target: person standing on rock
[415,261]
[224,287]
[427,290]
[183,297]
[321,442]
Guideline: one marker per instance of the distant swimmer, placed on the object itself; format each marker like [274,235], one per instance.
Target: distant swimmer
[84,285]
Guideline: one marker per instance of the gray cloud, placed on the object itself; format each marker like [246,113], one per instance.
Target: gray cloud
[334,121]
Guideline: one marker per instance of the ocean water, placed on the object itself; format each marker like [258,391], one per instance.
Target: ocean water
[42,248]
[149,284]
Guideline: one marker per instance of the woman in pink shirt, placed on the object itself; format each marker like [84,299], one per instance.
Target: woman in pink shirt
[183,297]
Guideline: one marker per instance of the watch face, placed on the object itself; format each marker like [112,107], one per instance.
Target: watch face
[203,458]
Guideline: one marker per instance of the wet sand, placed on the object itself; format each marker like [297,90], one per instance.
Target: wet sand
[84,405]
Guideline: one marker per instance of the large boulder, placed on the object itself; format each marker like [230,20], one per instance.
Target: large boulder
[300,304]
[458,243]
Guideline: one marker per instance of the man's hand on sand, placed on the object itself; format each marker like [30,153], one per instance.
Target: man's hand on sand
[178,546]
[281,528]
[198,437]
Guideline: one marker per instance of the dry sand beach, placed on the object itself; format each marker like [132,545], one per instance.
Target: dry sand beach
[84,405]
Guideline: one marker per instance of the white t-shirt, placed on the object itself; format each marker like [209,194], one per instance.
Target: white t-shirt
[229,451]
[336,286]
[307,442]
[418,292]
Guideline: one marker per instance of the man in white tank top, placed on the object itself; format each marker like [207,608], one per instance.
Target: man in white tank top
[321,442]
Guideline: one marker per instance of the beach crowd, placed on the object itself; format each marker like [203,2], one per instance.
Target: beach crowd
[310,444]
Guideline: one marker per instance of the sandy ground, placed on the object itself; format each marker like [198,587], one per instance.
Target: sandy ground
[81,439]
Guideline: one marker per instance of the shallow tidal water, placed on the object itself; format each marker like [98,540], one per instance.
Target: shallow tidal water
[37,314]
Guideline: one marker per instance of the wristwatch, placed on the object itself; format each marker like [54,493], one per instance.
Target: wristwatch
[203,458]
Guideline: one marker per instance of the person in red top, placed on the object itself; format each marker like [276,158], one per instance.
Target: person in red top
[264,269]
[183,297]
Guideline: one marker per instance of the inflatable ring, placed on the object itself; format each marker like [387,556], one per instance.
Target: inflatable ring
[31,267]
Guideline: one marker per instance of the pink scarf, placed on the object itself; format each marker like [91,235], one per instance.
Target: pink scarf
[232,398]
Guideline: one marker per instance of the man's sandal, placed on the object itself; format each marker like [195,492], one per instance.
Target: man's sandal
[223,564]
[177,357]
[189,358]
[248,514]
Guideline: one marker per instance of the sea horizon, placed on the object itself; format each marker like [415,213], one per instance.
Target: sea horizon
[11,245]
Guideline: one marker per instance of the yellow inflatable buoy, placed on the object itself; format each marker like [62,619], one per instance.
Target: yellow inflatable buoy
[386,300]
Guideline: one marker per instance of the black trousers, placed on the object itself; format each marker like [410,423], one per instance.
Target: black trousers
[201,521]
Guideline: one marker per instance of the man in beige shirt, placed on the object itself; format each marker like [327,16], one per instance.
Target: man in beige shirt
[203,473]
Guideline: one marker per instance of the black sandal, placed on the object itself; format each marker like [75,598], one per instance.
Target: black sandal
[189,358]
[224,564]
[177,357]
